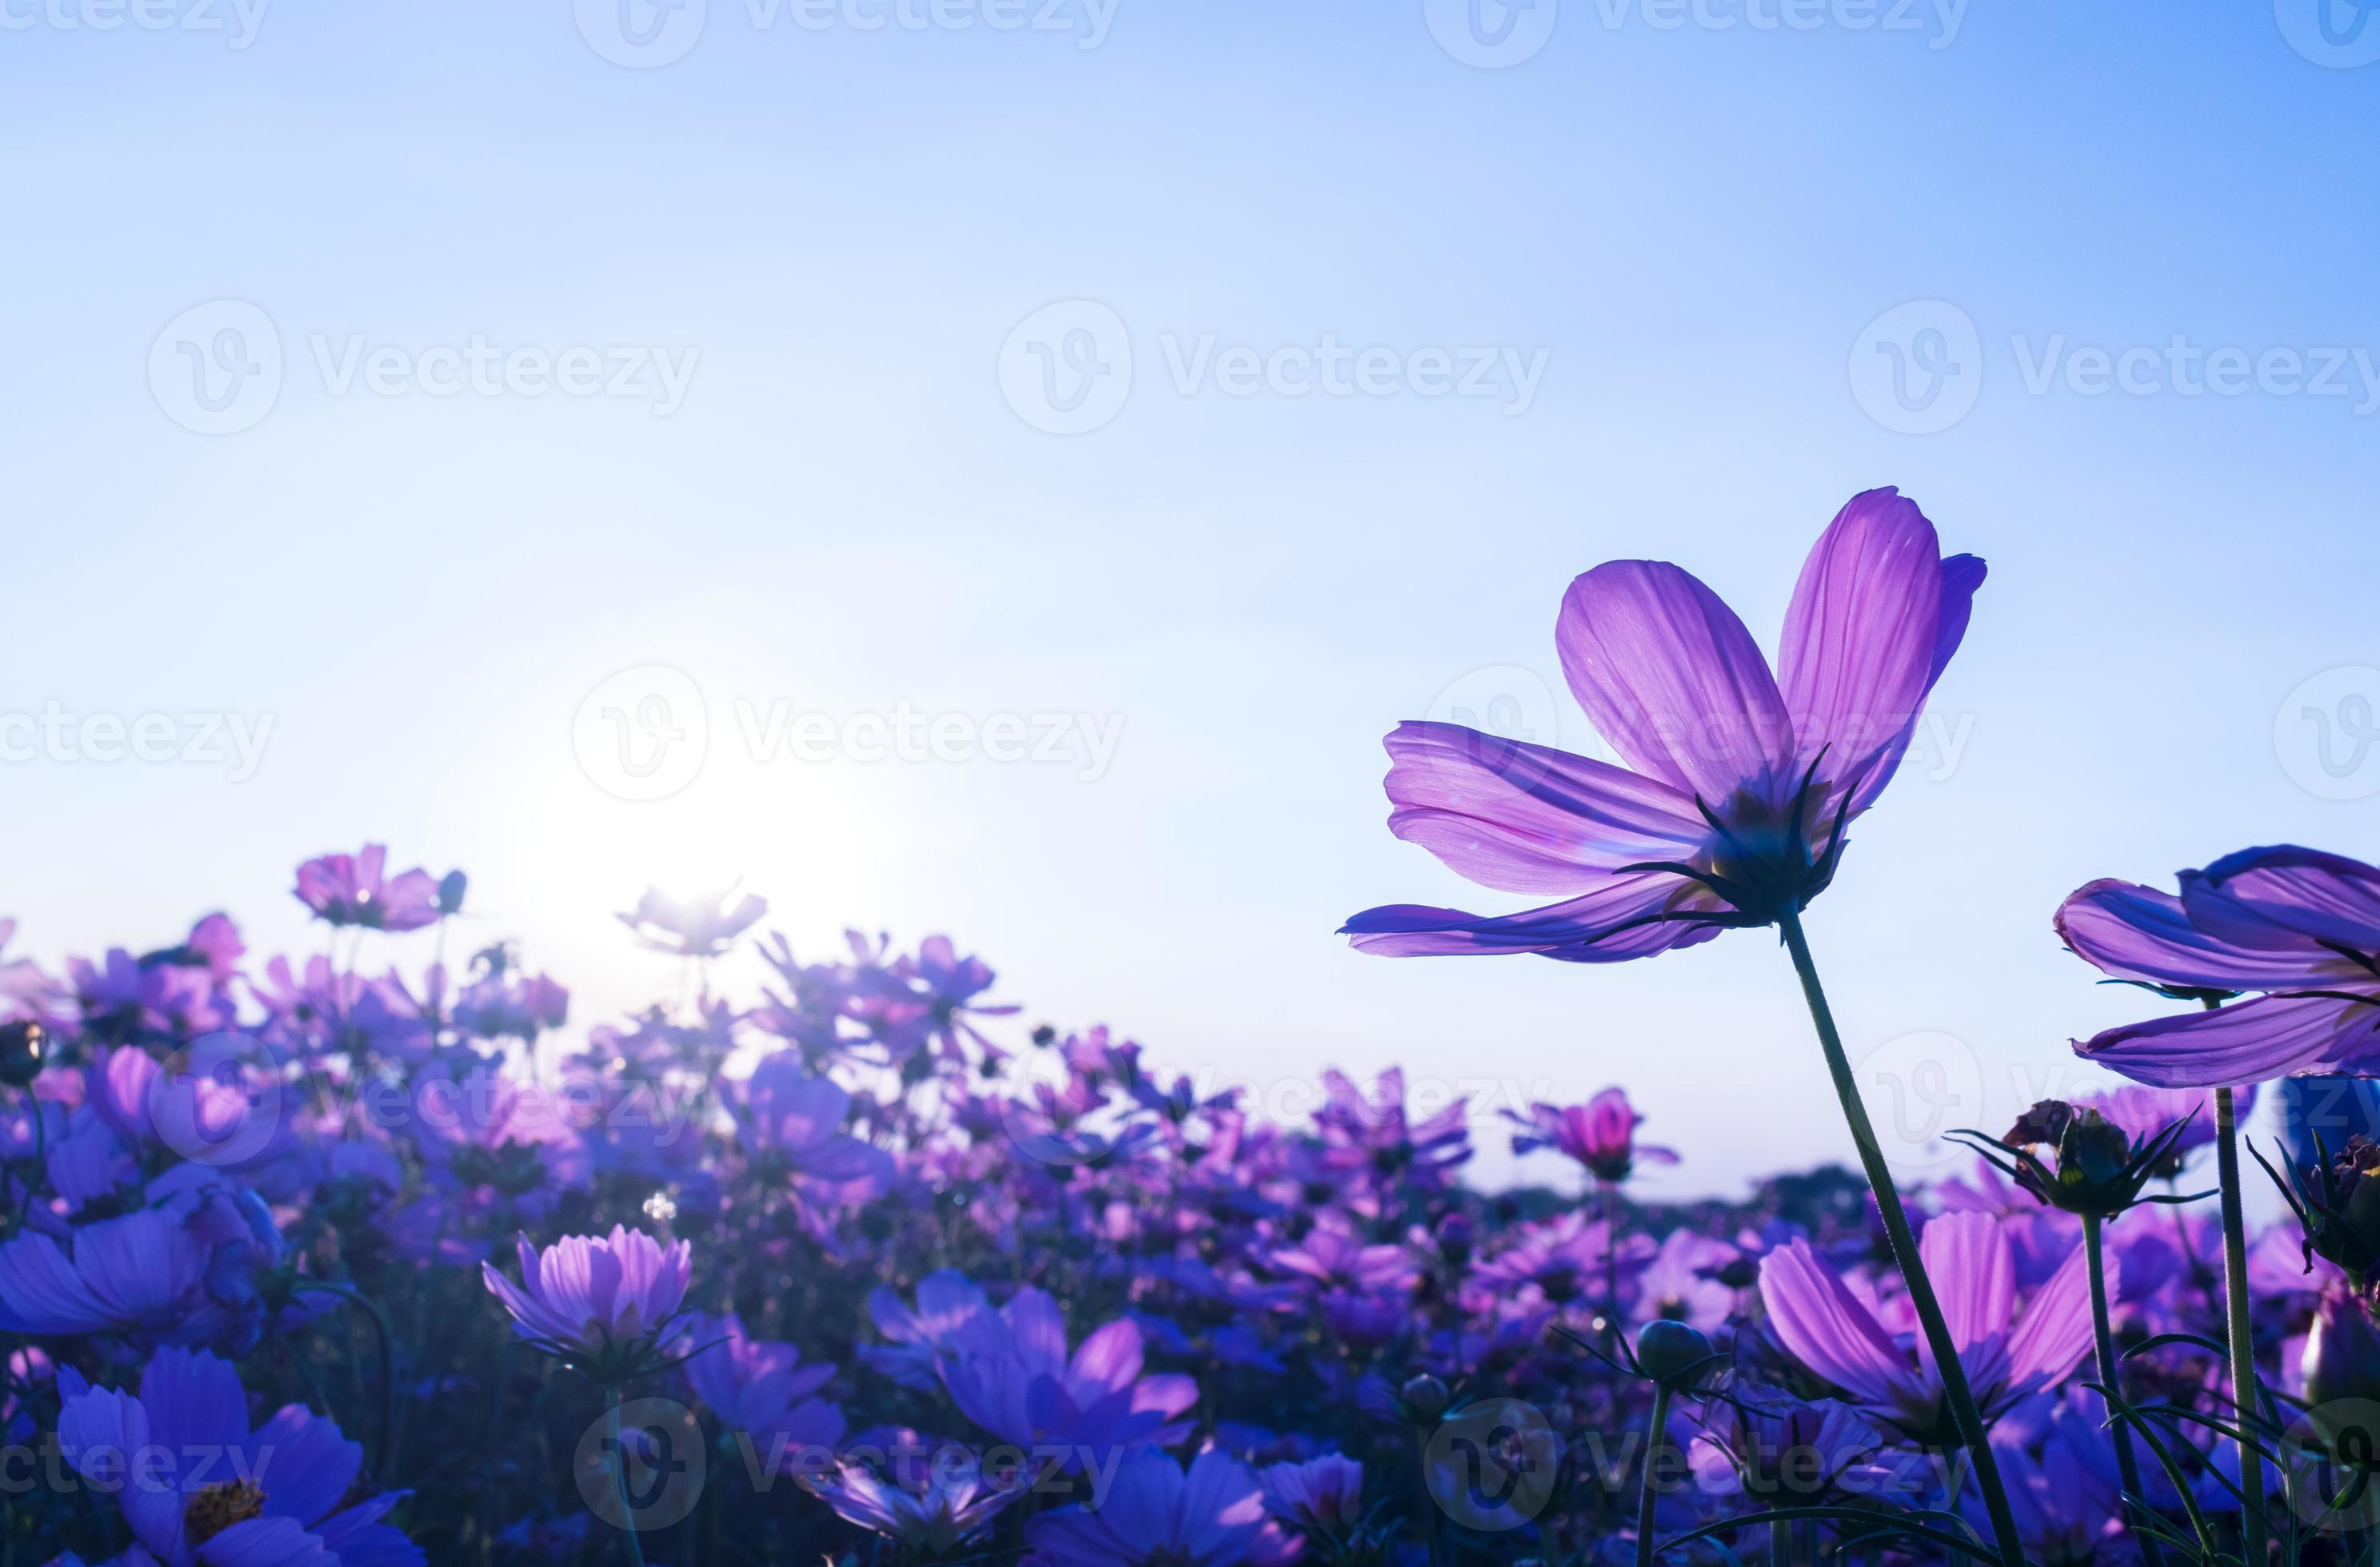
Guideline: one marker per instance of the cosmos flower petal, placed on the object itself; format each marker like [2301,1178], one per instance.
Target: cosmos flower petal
[2287,897]
[2248,1042]
[304,1464]
[1962,575]
[1858,651]
[1826,1328]
[1967,1256]
[1672,680]
[1528,818]
[2056,1331]
[41,1292]
[1624,910]
[2138,932]
[266,1542]
[194,1401]
[1109,1357]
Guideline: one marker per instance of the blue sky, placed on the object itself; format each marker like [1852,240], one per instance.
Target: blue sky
[833,235]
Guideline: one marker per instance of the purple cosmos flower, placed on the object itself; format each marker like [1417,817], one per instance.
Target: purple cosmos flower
[349,889]
[702,926]
[1838,1336]
[951,983]
[137,1274]
[923,1334]
[1566,1258]
[590,1294]
[1155,1516]
[759,1386]
[2069,1497]
[1322,1493]
[1738,786]
[2299,926]
[195,1483]
[932,1517]
[1783,1450]
[1330,1256]
[1599,1135]
[784,1115]
[1370,1130]
[1681,1283]
[1008,1371]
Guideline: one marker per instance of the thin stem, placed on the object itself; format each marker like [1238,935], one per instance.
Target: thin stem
[2128,1464]
[1611,1256]
[620,1477]
[1660,1431]
[1781,1543]
[2238,1330]
[387,1366]
[1956,1394]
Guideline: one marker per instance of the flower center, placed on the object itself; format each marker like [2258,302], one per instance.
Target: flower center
[216,1508]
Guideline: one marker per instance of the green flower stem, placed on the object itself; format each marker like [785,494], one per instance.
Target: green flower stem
[1781,1544]
[2239,1331]
[2128,1464]
[620,1477]
[1955,1391]
[1660,1434]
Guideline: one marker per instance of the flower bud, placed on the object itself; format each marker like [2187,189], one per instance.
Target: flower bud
[2095,1154]
[1425,1398]
[1672,1354]
[24,1051]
